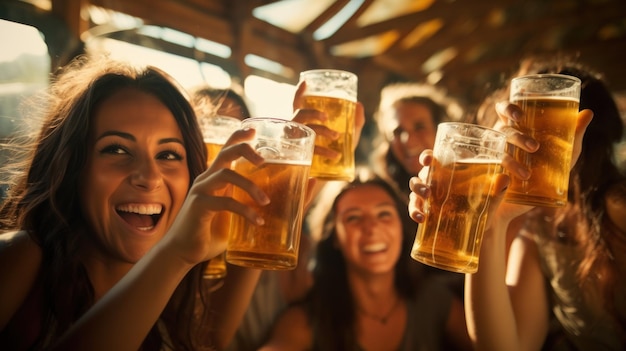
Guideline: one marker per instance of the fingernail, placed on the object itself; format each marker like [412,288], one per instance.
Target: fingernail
[260,221]
[423,191]
[524,173]
[517,115]
[532,144]
[264,200]
[419,217]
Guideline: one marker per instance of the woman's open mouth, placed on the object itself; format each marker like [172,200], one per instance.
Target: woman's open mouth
[144,217]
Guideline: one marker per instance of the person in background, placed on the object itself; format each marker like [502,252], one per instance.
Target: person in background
[368,294]
[107,223]
[220,101]
[562,287]
[407,119]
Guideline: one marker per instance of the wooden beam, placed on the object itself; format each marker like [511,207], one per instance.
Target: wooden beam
[176,15]
[70,12]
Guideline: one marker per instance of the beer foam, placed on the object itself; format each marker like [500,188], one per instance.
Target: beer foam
[283,161]
[540,96]
[337,94]
[480,160]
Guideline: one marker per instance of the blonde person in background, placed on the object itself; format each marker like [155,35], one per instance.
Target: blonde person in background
[560,285]
[407,120]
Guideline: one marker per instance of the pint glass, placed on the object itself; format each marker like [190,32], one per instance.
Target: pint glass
[215,131]
[333,92]
[467,159]
[288,150]
[550,105]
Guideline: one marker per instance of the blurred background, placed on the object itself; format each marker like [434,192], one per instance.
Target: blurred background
[467,48]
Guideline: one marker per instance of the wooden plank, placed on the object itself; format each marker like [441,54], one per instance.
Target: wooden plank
[70,12]
[175,15]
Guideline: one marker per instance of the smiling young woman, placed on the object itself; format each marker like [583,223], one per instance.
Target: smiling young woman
[367,292]
[108,220]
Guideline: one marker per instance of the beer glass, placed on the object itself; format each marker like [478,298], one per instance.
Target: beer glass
[216,130]
[333,92]
[287,148]
[467,159]
[550,105]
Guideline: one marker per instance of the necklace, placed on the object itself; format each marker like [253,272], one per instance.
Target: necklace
[384,319]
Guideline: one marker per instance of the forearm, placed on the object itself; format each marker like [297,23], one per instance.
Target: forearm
[124,316]
[230,302]
[489,312]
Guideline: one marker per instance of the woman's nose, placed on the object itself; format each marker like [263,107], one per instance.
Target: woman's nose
[146,174]
[368,224]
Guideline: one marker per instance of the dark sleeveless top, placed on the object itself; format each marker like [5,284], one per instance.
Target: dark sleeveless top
[427,315]
[581,320]
[24,327]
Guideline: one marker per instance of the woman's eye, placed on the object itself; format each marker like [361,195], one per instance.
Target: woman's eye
[170,155]
[418,126]
[114,149]
[385,214]
[398,131]
[352,219]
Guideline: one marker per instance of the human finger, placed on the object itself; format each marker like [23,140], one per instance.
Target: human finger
[510,114]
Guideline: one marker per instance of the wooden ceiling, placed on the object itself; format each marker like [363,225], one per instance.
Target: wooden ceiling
[468,47]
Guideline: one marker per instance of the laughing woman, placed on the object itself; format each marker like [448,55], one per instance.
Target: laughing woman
[368,294]
[107,224]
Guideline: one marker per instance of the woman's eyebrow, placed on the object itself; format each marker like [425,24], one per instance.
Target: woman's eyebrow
[130,137]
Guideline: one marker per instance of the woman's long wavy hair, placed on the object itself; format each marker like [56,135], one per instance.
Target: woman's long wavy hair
[42,197]
[330,305]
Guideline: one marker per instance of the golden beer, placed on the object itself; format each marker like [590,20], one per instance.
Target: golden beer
[273,245]
[216,267]
[552,122]
[213,148]
[216,130]
[340,114]
[456,213]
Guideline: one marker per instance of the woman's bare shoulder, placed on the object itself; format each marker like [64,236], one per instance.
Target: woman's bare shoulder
[291,331]
[20,259]
[18,243]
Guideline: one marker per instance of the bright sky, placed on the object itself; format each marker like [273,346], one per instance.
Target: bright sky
[17,39]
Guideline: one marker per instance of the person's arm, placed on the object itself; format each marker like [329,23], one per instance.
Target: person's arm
[20,259]
[506,310]
[456,328]
[290,332]
[229,304]
[123,317]
[505,301]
